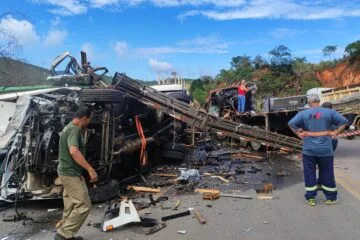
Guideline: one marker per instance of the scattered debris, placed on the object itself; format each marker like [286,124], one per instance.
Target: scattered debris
[221,178]
[181,232]
[189,176]
[200,217]
[236,196]
[143,189]
[202,190]
[156,228]
[53,209]
[282,173]
[164,175]
[211,196]
[177,204]
[182,214]
[118,214]
[148,222]
[268,188]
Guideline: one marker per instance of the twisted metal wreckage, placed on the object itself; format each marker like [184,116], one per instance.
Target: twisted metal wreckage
[128,122]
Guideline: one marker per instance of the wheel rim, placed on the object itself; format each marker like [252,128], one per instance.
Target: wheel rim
[255,146]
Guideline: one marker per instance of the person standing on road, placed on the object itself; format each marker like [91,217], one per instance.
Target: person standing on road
[242,89]
[72,162]
[314,125]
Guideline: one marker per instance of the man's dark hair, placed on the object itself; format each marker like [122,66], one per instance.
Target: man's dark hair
[327,105]
[83,112]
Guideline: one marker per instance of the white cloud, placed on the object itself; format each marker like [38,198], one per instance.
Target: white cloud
[55,22]
[160,66]
[287,9]
[120,48]
[176,3]
[23,31]
[55,37]
[102,3]
[209,44]
[280,33]
[65,7]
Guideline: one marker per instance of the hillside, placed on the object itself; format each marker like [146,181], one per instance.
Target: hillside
[17,73]
[343,74]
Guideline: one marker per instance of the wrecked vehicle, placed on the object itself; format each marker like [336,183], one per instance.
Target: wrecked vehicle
[124,138]
[223,102]
[83,74]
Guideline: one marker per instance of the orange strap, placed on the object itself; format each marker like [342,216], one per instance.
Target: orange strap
[143,158]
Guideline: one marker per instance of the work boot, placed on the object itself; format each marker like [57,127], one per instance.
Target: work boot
[311,202]
[59,237]
[332,202]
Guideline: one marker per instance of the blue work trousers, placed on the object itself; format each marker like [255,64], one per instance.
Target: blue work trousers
[326,176]
[241,103]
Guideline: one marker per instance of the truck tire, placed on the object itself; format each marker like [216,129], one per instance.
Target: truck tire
[101,96]
[104,192]
[173,155]
[171,147]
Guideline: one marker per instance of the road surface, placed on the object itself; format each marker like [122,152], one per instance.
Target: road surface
[286,218]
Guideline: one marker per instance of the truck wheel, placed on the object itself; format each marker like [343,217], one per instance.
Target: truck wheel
[256,146]
[104,192]
[101,96]
[173,155]
[171,147]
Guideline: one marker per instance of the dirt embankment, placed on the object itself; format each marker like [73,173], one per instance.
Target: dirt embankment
[343,74]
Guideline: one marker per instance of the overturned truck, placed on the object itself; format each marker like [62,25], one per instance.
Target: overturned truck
[129,132]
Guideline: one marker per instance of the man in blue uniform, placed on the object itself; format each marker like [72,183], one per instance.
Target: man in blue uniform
[315,125]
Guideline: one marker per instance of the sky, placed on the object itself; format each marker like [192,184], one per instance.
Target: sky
[144,38]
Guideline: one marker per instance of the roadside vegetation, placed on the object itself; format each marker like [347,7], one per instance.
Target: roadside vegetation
[281,74]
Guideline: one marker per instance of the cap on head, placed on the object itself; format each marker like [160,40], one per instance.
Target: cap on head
[313,98]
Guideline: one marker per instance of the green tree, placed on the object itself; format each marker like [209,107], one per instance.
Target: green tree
[281,59]
[259,62]
[353,50]
[329,50]
[241,62]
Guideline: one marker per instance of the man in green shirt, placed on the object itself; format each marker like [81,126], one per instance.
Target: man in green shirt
[72,162]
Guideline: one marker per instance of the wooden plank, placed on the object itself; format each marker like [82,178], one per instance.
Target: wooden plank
[164,175]
[143,189]
[199,217]
[203,190]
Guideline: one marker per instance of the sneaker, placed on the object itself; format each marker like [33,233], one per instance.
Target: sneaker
[59,237]
[332,202]
[311,202]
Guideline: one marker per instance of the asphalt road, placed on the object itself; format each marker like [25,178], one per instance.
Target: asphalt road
[286,218]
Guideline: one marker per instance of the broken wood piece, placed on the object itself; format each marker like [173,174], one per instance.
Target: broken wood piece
[156,228]
[211,196]
[164,175]
[236,196]
[200,217]
[264,197]
[143,189]
[204,190]
[221,178]
[177,204]
[239,155]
